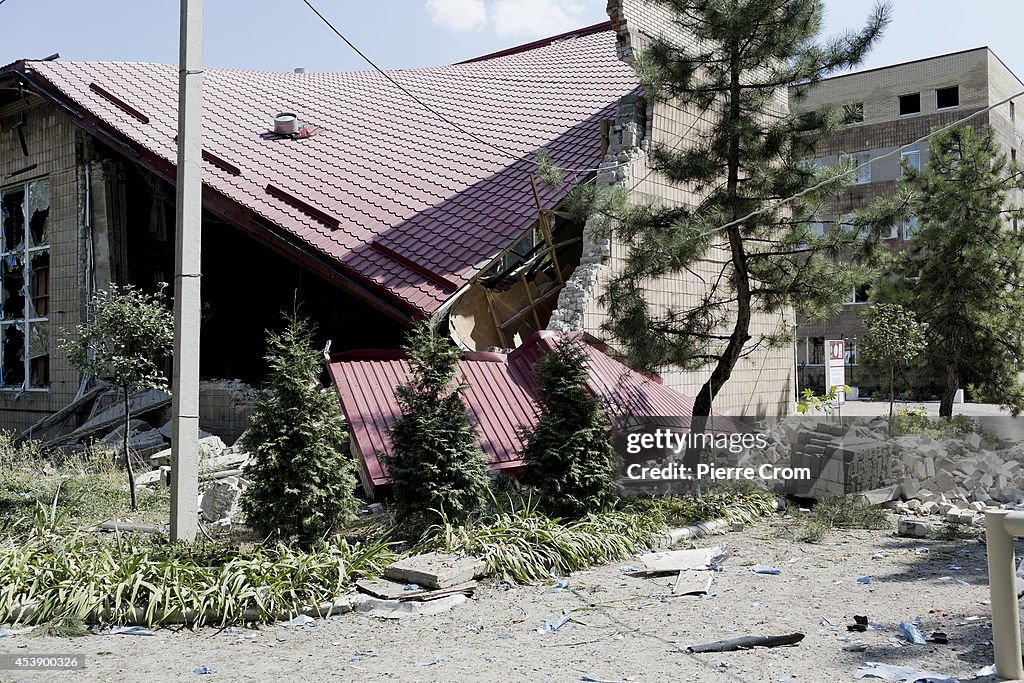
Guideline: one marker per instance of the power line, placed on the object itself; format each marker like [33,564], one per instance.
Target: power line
[828,181]
[432,110]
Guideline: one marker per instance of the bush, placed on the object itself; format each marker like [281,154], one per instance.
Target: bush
[568,455]
[303,480]
[437,466]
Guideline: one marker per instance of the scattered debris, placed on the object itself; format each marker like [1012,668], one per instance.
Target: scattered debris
[429,662]
[900,674]
[693,582]
[390,590]
[436,570]
[765,569]
[912,633]
[398,609]
[204,670]
[129,631]
[747,643]
[301,620]
[552,625]
[680,560]
[864,580]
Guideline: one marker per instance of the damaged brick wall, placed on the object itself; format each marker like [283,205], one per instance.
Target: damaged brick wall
[51,290]
[764,382]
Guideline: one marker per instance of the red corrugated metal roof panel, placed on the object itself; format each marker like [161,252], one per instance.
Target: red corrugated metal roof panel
[380,169]
[501,397]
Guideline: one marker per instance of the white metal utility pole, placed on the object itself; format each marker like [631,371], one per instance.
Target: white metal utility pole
[187,268]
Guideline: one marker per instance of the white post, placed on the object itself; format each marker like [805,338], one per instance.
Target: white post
[187,267]
[1000,528]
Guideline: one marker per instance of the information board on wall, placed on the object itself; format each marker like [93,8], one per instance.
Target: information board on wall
[835,374]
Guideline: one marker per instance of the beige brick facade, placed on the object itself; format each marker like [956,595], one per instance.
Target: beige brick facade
[763,383]
[54,146]
[981,79]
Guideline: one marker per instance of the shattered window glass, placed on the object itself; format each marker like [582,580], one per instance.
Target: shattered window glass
[25,286]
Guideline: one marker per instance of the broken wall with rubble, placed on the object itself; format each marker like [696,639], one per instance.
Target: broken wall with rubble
[763,383]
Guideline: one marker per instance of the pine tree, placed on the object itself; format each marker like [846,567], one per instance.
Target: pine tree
[569,455]
[303,480]
[964,274]
[437,465]
[745,56]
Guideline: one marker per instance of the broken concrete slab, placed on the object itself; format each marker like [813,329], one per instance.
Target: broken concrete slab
[679,560]
[396,609]
[436,570]
[913,528]
[219,503]
[882,495]
[693,582]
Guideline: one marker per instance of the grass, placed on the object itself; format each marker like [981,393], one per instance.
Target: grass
[839,512]
[520,543]
[67,491]
[153,582]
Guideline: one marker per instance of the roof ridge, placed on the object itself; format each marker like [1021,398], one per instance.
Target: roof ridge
[543,42]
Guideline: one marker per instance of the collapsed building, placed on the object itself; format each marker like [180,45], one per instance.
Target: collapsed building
[342,191]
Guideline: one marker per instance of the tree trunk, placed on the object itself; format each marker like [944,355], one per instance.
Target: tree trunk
[127,454]
[892,392]
[741,279]
[949,390]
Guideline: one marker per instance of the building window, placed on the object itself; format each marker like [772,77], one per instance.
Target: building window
[1013,154]
[910,227]
[817,227]
[910,104]
[816,354]
[859,294]
[846,222]
[851,351]
[25,296]
[891,232]
[853,113]
[1013,112]
[946,98]
[862,162]
[911,157]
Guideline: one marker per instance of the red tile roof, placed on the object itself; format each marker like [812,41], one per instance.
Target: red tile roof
[396,199]
[500,397]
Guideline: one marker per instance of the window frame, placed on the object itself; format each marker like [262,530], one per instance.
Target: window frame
[899,104]
[26,251]
[946,89]
[910,152]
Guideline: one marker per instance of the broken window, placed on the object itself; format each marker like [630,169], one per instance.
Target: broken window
[910,104]
[25,277]
[912,158]
[947,97]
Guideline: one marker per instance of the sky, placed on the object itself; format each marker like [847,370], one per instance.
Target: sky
[285,34]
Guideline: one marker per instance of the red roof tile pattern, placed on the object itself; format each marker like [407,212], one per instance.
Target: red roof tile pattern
[501,397]
[409,205]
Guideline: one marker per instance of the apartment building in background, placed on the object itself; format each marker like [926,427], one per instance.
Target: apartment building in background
[888,108]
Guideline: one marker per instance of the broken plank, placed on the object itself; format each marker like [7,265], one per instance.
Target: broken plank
[679,560]
[391,590]
[693,582]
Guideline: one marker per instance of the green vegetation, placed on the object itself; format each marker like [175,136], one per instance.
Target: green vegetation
[839,512]
[155,582]
[128,334]
[963,274]
[48,492]
[907,421]
[745,54]
[741,506]
[437,470]
[303,480]
[812,403]
[894,335]
[568,455]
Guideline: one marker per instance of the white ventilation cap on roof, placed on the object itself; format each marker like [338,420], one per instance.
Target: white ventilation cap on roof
[286,123]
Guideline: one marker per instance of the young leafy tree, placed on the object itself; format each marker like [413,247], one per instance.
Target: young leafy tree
[569,455]
[437,466]
[303,480]
[763,256]
[127,335]
[966,266]
[893,335]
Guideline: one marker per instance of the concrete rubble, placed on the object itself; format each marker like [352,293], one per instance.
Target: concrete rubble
[953,480]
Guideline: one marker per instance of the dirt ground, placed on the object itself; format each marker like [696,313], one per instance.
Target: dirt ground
[623,628]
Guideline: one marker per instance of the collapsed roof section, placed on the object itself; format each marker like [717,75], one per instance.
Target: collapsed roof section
[501,396]
[404,208]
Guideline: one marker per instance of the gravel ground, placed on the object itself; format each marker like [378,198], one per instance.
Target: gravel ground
[623,628]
